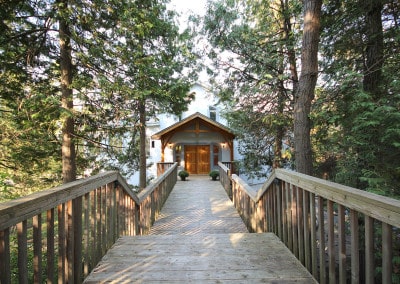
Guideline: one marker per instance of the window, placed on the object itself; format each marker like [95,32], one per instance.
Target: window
[213,113]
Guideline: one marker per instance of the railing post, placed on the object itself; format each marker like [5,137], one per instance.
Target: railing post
[70,243]
[387,253]
[279,203]
[369,249]
[5,271]
[77,231]
[37,248]
[138,220]
[22,252]
[355,253]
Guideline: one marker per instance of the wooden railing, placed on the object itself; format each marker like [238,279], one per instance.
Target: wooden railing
[59,235]
[340,234]
[232,167]
[163,166]
[225,178]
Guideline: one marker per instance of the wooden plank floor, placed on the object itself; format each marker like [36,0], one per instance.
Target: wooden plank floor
[198,206]
[199,238]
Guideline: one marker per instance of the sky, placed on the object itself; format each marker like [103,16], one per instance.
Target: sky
[185,6]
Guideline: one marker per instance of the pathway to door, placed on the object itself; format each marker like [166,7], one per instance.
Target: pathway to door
[199,238]
[198,206]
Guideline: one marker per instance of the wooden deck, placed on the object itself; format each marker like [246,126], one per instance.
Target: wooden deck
[199,238]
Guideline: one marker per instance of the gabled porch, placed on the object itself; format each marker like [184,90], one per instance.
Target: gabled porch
[196,143]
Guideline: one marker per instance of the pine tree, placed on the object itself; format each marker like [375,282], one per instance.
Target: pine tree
[261,73]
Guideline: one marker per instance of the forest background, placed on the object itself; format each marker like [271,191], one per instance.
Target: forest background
[79,80]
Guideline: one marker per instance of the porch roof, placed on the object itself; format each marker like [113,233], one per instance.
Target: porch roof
[196,116]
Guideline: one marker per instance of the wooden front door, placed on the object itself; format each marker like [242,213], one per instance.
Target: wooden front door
[197,159]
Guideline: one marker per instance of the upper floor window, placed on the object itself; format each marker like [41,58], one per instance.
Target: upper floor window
[213,112]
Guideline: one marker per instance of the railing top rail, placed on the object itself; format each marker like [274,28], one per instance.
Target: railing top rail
[223,167]
[255,195]
[381,208]
[149,189]
[377,206]
[15,211]
[20,209]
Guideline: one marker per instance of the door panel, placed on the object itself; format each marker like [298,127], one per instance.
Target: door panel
[203,153]
[197,159]
[190,159]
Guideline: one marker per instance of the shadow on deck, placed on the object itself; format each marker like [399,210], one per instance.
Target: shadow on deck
[199,237]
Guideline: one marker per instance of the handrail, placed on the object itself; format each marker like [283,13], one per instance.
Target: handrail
[18,210]
[380,207]
[311,214]
[149,189]
[163,166]
[225,178]
[63,232]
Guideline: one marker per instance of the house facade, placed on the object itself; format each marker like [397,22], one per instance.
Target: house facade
[196,141]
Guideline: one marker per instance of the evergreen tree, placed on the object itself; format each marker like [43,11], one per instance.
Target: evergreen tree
[84,54]
[357,113]
[254,48]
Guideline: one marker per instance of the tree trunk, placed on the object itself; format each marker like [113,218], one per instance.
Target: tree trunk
[277,163]
[374,50]
[290,43]
[306,87]
[142,155]
[68,146]
[288,38]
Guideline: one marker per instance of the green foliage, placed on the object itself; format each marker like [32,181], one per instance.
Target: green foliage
[183,174]
[214,174]
[253,49]
[123,52]
[356,132]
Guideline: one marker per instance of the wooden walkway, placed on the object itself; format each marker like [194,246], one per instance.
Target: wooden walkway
[199,238]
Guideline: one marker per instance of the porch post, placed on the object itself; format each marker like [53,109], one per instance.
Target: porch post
[162,150]
[231,148]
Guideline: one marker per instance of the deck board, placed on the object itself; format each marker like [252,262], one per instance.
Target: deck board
[198,206]
[199,238]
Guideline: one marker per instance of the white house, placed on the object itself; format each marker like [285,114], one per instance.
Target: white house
[197,140]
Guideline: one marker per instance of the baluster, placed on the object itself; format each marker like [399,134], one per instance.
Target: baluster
[321,237]
[99,204]
[300,224]
[307,231]
[342,244]
[22,252]
[313,228]
[104,221]
[5,259]
[285,210]
[295,222]
[37,248]
[93,228]
[355,254]
[289,215]
[369,250]
[77,239]
[331,242]
[61,243]
[86,233]
[387,253]
[69,267]
[279,209]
